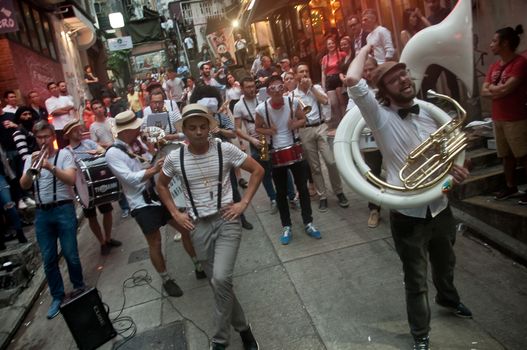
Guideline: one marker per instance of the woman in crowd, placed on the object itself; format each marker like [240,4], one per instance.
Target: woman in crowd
[93,83]
[143,95]
[330,64]
[413,21]
[233,92]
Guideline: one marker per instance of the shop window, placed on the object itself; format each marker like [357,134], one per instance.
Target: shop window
[34,30]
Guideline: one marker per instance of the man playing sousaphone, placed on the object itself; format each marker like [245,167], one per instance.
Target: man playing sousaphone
[279,117]
[399,126]
[84,149]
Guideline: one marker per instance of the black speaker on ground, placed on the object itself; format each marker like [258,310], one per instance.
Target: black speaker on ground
[87,319]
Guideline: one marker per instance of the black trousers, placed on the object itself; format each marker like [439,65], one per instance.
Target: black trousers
[280,182]
[417,240]
[374,160]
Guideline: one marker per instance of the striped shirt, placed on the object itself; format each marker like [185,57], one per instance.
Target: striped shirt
[202,173]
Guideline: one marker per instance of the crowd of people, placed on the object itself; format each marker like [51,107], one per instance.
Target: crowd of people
[286,118]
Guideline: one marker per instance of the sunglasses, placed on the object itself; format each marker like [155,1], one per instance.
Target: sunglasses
[276,88]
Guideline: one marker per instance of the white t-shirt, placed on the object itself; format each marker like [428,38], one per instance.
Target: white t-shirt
[246,114]
[44,184]
[189,42]
[233,93]
[381,40]
[202,173]
[240,44]
[101,132]
[10,109]
[53,103]
[280,118]
[309,99]
[174,87]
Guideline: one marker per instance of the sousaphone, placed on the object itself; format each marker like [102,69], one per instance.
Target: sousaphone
[425,175]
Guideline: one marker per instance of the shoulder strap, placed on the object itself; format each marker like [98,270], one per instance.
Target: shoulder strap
[220,175]
[268,123]
[55,177]
[185,179]
[248,110]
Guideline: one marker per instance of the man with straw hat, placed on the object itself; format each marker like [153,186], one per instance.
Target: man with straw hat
[135,180]
[84,149]
[211,215]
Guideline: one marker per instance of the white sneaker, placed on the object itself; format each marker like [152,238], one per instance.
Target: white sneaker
[177,237]
[22,205]
[30,202]
[274,207]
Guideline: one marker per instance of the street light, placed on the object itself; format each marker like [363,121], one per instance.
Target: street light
[116,20]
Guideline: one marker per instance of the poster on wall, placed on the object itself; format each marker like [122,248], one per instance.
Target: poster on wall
[219,44]
[8,22]
[147,61]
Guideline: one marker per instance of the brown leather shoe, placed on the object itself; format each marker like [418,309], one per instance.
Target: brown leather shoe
[373,220]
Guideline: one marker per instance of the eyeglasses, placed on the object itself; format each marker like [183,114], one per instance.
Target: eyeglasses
[403,74]
[276,88]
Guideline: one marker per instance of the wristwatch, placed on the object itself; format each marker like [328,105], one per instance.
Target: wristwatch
[53,170]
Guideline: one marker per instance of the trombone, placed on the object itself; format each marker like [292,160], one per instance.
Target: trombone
[36,166]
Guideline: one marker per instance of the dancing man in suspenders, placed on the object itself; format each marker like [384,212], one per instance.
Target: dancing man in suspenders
[212,218]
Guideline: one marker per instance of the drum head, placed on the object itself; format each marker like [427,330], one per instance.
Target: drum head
[81,186]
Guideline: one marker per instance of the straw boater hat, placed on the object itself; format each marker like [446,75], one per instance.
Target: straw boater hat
[383,69]
[127,120]
[71,125]
[195,110]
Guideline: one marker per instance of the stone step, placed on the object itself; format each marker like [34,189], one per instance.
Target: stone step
[485,180]
[507,215]
[482,157]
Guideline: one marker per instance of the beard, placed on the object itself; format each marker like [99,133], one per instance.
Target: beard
[402,98]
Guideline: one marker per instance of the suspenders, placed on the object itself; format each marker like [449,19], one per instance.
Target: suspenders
[269,121]
[185,179]
[54,181]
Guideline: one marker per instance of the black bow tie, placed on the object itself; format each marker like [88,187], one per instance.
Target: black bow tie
[403,112]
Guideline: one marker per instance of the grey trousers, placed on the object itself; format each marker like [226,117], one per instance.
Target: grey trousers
[216,242]
[417,240]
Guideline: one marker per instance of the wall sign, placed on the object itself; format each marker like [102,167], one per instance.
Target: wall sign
[7,17]
[121,43]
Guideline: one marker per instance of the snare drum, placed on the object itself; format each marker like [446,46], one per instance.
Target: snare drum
[287,155]
[175,186]
[95,183]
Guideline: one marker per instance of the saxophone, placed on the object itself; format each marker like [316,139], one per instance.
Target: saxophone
[264,150]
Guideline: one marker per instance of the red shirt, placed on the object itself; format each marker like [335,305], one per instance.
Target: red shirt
[331,62]
[511,107]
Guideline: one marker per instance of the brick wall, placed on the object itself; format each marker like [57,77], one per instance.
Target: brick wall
[8,79]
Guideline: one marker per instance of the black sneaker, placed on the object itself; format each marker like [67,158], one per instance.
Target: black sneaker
[246,224]
[172,288]
[200,274]
[215,346]
[243,183]
[421,343]
[460,310]
[523,200]
[343,201]
[114,243]
[249,343]
[323,205]
[506,193]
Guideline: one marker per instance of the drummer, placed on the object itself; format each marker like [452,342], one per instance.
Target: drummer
[84,149]
[279,118]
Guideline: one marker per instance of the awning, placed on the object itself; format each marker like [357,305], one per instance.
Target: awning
[145,30]
[264,8]
[77,22]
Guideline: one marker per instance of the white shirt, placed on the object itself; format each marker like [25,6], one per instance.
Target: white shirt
[240,44]
[53,103]
[309,99]
[189,42]
[101,132]
[233,93]
[396,138]
[174,87]
[202,173]
[44,189]
[173,116]
[246,114]
[280,118]
[381,40]
[10,109]
[129,171]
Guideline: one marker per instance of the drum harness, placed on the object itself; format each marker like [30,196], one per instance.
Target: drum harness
[187,185]
[295,139]
[149,195]
[54,204]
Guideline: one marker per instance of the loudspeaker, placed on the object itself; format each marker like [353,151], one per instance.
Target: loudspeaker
[87,319]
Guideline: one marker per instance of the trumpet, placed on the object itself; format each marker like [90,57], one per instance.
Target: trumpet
[36,166]
[264,150]
[305,108]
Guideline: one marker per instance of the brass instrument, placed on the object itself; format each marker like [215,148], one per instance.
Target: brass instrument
[424,177]
[264,149]
[36,166]
[305,108]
